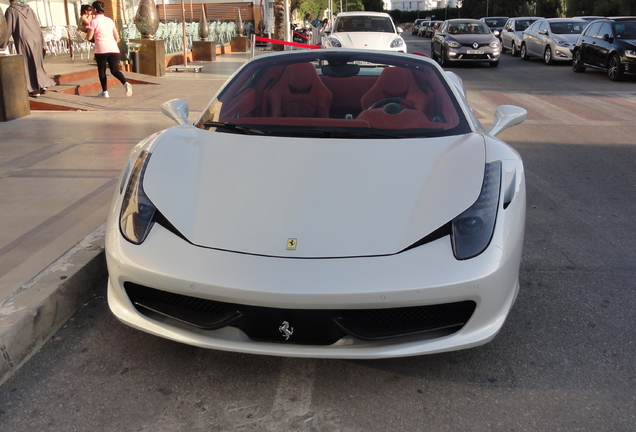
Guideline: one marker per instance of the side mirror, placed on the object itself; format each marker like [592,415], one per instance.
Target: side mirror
[400,30]
[496,33]
[177,110]
[507,116]
[542,32]
[607,38]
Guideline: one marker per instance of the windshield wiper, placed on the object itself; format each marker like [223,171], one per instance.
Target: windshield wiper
[233,127]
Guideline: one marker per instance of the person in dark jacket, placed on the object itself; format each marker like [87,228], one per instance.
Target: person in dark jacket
[24,26]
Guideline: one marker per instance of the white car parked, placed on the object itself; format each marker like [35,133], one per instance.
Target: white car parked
[512,32]
[551,38]
[365,30]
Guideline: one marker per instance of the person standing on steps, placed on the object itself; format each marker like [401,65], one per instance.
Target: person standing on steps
[103,30]
[23,25]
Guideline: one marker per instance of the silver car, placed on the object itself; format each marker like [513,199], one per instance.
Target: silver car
[551,38]
[465,40]
[512,32]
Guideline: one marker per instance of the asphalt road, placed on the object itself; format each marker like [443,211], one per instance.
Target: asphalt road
[564,360]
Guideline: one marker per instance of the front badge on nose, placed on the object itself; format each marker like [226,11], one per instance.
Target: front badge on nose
[286,330]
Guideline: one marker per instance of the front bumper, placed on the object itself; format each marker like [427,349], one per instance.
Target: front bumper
[423,276]
[464,55]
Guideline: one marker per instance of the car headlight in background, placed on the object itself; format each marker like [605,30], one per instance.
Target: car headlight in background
[137,211]
[494,44]
[333,43]
[397,42]
[453,44]
[562,43]
[630,53]
[472,230]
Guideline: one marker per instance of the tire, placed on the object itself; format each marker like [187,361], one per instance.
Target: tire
[443,60]
[615,68]
[577,62]
[494,64]
[547,56]
[513,50]
[524,52]
[503,48]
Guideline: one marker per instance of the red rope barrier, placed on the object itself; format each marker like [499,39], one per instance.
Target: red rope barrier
[294,44]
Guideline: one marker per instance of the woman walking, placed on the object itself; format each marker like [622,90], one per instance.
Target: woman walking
[103,30]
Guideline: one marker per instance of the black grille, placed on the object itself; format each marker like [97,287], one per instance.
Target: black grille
[310,326]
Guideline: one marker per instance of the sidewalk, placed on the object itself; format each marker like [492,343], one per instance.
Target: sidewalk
[58,171]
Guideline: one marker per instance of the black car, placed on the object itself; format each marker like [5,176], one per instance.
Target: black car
[607,44]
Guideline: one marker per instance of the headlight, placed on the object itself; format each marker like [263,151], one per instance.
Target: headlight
[494,44]
[453,44]
[333,43]
[630,53]
[472,230]
[137,211]
[397,42]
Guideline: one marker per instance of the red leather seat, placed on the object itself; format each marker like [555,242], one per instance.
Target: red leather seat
[396,82]
[299,93]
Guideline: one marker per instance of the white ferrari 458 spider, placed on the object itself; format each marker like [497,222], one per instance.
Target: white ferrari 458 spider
[327,203]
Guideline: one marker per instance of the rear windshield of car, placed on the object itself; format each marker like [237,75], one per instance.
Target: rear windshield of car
[568,27]
[363,23]
[625,29]
[326,94]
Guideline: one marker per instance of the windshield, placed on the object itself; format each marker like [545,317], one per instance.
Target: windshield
[572,27]
[471,27]
[495,22]
[362,23]
[521,25]
[324,94]
[625,30]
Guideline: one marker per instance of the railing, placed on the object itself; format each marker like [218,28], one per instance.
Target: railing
[59,39]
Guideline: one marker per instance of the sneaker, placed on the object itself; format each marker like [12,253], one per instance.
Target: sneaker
[103,94]
[128,88]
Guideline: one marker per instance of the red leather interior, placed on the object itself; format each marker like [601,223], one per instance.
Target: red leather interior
[299,93]
[396,82]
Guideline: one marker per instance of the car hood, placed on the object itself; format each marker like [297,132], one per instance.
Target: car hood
[629,43]
[336,197]
[365,40]
[570,38]
[465,39]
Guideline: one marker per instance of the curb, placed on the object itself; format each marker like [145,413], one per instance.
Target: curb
[39,308]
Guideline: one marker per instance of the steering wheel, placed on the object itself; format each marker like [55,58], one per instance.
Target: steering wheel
[398,100]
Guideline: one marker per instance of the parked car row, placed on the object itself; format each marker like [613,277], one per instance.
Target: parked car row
[425,28]
[607,44]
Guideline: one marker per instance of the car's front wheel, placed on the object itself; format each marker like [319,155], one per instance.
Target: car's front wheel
[524,52]
[513,50]
[577,62]
[547,55]
[443,60]
[615,68]
[433,55]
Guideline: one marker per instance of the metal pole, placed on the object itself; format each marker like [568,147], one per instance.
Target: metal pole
[286,22]
[183,29]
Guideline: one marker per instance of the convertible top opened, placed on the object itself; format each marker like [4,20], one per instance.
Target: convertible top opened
[327,203]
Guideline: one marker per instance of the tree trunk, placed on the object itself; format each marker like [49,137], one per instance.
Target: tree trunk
[279,23]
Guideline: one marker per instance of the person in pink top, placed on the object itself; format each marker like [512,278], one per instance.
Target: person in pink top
[102,29]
